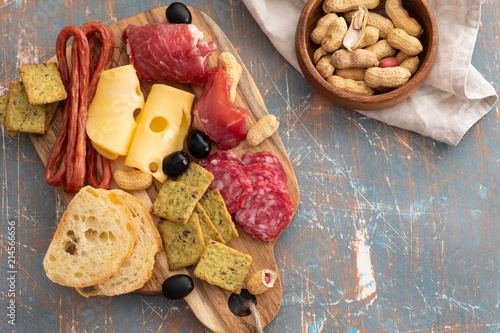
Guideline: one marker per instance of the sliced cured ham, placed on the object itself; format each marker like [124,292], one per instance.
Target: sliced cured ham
[216,116]
[232,183]
[169,51]
[250,158]
[267,211]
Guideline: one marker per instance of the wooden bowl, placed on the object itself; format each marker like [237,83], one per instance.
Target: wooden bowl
[304,47]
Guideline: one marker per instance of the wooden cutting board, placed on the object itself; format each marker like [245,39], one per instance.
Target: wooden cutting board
[209,303]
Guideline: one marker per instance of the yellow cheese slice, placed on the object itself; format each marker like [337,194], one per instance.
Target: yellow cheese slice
[104,152]
[161,129]
[110,121]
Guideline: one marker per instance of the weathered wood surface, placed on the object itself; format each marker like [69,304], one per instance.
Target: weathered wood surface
[429,212]
[208,302]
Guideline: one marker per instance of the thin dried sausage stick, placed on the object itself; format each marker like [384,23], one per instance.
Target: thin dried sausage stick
[77,136]
[53,175]
[92,168]
[105,59]
[81,86]
[104,62]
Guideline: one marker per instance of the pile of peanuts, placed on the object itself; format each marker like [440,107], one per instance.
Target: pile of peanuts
[361,59]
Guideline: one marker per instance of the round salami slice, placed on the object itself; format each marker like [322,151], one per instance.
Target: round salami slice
[221,155]
[232,183]
[267,211]
[265,172]
[250,158]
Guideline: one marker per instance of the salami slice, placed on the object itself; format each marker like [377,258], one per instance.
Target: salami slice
[265,172]
[250,158]
[221,155]
[267,211]
[232,183]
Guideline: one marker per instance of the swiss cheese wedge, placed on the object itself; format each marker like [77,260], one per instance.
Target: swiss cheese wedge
[162,128]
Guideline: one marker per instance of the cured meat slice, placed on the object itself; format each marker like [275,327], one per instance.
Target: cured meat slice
[221,155]
[216,116]
[168,51]
[265,172]
[232,183]
[250,158]
[267,211]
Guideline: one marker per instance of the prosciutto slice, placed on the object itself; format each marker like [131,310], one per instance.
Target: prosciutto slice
[168,51]
[216,116]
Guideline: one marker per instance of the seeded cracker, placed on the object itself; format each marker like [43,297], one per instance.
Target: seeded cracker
[4,100]
[196,176]
[183,244]
[51,111]
[22,116]
[207,227]
[43,83]
[175,201]
[214,205]
[223,266]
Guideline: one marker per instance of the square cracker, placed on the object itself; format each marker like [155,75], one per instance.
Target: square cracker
[22,116]
[175,201]
[214,205]
[4,100]
[43,83]
[196,176]
[223,266]
[183,244]
[51,111]
[207,227]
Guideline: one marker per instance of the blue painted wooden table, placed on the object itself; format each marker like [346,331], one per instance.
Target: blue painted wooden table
[395,232]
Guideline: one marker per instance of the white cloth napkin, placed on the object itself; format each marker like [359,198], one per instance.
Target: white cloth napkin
[454,97]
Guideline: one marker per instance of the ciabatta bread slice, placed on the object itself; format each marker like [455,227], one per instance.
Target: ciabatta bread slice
[136,270]
[96,233]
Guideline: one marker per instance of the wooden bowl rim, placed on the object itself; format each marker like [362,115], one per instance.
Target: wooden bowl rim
[367,103]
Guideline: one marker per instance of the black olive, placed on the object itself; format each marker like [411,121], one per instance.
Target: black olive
[198,144]
[177,12]
[177,286]
[175,164]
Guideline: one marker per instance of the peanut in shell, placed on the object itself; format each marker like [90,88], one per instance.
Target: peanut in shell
[322,27]
[401,18]
[399,39]
[359,58]
[342,6]
[351,86]
[388,77]
[382,49]
[335,36]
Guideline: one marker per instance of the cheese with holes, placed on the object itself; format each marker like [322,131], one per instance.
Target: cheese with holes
[111,120]
[161,130]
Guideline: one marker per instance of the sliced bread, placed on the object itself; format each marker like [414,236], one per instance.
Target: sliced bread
[136,270]
[96,233]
